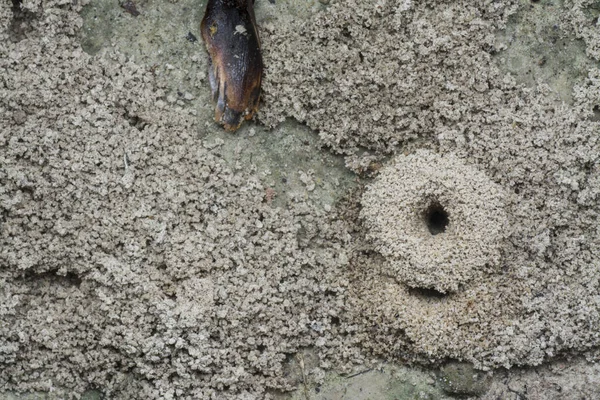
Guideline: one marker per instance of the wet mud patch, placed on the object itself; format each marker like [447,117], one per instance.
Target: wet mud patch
[538,46]
[142,28]
[290,162]
[160,37]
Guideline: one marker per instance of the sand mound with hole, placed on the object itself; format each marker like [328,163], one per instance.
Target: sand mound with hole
[437,222]
[392,77]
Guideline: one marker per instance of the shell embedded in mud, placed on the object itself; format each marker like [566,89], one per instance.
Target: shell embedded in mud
[235,63]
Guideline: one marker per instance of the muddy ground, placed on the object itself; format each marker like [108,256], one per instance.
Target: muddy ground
[412,213]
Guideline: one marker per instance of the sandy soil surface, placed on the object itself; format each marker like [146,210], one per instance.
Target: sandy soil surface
[413,213]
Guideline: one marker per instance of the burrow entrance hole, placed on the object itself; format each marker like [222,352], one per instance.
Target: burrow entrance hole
[426,293]
[22,22]
[436,218]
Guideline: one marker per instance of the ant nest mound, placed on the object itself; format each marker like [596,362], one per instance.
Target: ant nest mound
[438,222]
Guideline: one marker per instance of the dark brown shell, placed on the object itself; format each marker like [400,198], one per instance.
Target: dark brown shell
[235,71]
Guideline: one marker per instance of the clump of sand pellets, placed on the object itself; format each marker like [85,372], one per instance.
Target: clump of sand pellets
[437,221]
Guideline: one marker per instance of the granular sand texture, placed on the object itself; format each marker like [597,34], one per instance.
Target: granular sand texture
[135,259]
[427,78]
[437,222]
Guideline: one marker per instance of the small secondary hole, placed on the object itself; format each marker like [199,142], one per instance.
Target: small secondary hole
[426,293]
[22,21]
[436,218]
[596,116]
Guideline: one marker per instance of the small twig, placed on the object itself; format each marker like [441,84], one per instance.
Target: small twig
[300,359]
[359,373]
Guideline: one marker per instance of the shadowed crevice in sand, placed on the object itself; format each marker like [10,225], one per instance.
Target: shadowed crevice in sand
[52,276]
[21,25]
[426,293]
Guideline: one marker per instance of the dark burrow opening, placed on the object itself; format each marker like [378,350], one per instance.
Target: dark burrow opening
[427,293]
[16,6]
[436,218]
[67,279]
[596,116]
[22,20]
